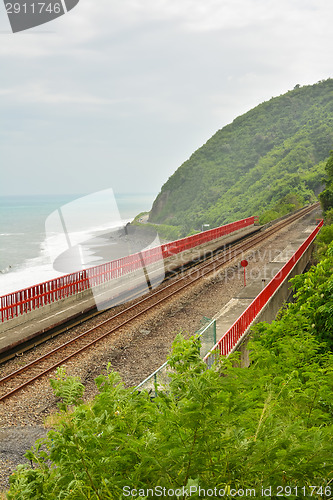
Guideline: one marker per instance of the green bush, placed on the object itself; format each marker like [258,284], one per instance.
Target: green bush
[328,217]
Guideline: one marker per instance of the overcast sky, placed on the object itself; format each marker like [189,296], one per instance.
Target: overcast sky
[118,94]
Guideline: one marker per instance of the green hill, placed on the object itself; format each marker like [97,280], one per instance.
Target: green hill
[267,162]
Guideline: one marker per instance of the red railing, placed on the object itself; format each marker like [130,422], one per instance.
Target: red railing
[231,338]
[29,299]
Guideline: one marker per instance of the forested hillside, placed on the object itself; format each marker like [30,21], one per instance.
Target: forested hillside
[267,162]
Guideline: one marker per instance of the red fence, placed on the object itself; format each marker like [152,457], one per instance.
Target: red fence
[198,239]
[230,339]
[29,299]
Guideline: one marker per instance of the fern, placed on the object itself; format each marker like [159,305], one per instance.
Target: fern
[69,389]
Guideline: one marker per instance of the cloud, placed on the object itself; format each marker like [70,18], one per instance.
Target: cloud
[140,84]
[42,93]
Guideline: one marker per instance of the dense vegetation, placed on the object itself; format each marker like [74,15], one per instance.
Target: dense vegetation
[230,428]
[326,197]
[267,162]
[165,232]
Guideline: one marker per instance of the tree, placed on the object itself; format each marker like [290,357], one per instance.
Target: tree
[326,197]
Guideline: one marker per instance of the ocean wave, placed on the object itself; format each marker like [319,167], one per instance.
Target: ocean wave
[12,234]
[41,268]
[31,272]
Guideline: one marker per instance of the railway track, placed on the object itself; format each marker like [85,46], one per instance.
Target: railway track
[40,367]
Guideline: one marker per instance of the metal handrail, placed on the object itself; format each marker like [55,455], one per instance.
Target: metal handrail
[237,331]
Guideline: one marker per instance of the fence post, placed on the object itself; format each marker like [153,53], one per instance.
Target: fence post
[155,384]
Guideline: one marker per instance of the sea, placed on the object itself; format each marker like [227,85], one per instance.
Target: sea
[35,229]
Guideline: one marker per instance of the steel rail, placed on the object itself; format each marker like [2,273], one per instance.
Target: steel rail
[212,266]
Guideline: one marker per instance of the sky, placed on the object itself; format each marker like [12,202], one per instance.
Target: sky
[118,94]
